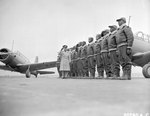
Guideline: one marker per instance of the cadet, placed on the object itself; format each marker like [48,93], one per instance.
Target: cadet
[99,62]
[75,56]
[112,46]
[91,57]
[79,62]
[72,73]
[124,43]
[84,59]
[104,52]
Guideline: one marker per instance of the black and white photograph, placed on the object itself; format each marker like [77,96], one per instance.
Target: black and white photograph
[74,57]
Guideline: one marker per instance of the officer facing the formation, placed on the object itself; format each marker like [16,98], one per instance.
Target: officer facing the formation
[99,62]
[91,57]
[112,46]
[124,43]
[104,52]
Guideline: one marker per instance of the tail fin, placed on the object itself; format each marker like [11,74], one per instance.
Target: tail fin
[36,59]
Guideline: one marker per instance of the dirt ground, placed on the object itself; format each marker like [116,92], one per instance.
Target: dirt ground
[51,96]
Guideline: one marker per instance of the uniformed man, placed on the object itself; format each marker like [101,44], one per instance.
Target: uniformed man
[91,57]
[112,46]
[99,62]
[104,52]
[72,74]
[75,56]
[79,62]
[125,40]
[84,60]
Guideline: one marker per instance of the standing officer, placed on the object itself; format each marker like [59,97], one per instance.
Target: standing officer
[112,46]
[91,57]
[124,43]
[99,62]
[104,52]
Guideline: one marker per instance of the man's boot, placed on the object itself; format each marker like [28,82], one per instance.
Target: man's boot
[98,74]
[129,74]
[102,74]
[117,74]
[114,76]
[93,74]
[87,73]
[125,75]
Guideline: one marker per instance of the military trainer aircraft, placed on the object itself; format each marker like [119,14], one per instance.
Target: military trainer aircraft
[16,61]
[141,52]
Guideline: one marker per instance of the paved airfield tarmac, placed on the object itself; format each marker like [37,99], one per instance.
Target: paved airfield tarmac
[47,96]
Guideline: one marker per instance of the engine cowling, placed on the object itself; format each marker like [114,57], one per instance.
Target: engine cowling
[4,54]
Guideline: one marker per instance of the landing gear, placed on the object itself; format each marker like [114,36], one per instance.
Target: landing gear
[146,70]
[28,74]
[36,75]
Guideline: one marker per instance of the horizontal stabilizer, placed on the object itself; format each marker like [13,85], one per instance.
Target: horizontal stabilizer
[45,72]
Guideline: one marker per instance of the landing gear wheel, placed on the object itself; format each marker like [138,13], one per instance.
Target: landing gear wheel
[146,70]
[27,76]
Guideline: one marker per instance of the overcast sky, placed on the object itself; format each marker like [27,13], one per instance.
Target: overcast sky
[41,27]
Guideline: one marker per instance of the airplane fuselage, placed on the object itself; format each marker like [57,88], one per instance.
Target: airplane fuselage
[141,50]
[15,61]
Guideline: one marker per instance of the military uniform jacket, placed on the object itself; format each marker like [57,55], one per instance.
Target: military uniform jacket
[79,52]
[90,49]
[104,45]
[124,36]
[98,46]
[84,51]
[112,44]
[74,55]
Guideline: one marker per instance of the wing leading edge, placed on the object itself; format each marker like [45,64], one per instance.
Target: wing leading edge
[4,67]
[38,66]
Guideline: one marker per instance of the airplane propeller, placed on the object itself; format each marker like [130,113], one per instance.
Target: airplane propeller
[3,53]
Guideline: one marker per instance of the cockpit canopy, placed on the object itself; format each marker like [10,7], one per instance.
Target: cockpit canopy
[142,36]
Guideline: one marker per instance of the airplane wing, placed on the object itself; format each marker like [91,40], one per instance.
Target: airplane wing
[38,66]
[140,59]
[4,67]
[137,56]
